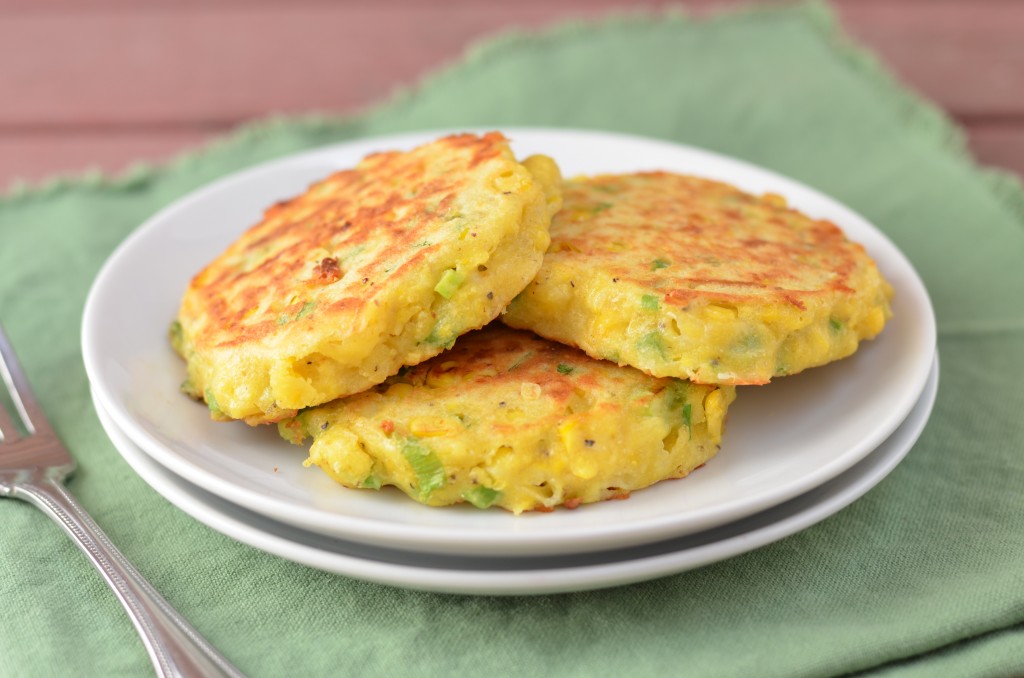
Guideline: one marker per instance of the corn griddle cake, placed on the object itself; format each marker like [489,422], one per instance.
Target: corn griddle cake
[372,268]
[691,278]
[509,419]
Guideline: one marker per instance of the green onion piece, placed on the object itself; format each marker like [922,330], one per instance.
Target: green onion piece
[601,207]
[371,482]
[292,430]
[450,281]
[676,394]
[649,302]
[520,360]
[687,415]
[565,369]
[749,342]
[189,388]
[481,497]
[435,339]
[211,402]
[660,263]
[425,464]
[835,325]
[652,341]
[306,309]
[176,335]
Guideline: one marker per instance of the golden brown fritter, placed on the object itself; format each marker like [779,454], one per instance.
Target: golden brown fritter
[509,419]
[691,278]
[374,267]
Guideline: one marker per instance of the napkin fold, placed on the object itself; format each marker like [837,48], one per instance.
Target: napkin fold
[922,576]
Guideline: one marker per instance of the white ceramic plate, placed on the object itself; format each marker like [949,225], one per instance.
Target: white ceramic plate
[782,440]
[537,574]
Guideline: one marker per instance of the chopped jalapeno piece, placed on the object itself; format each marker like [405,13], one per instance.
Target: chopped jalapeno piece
[649,302]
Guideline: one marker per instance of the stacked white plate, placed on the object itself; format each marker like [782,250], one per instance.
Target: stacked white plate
[794,452]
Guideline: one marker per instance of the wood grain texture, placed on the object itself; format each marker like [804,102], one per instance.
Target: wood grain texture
[998,145]
[34,157]
[966,56]
[227,63]
[108,81]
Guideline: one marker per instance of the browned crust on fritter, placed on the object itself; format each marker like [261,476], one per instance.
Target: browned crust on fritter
[304,242]
[727,246]
[498,355]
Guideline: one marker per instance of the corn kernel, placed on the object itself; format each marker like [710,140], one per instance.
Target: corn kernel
[430,427]
[530,390]
[714,414]
[400,391]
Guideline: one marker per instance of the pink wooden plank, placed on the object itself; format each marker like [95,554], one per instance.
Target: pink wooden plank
[197,63]
[967,56]
[91,5]
[34,157]
[37,156]
[81,86]
[999,145]
[116,67]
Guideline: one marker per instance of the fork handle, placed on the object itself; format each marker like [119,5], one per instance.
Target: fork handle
[174,646]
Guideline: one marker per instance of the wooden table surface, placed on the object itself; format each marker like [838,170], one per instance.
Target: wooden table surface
[103,83]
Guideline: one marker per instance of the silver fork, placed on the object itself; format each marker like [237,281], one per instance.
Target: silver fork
[33,466]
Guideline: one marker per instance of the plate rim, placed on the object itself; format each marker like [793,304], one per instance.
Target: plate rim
[180,493]
[447,538]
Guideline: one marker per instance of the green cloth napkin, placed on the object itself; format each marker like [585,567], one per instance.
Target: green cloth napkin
[923,576]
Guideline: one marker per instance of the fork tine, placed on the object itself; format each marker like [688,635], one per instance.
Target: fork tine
[21,392]
[8,431]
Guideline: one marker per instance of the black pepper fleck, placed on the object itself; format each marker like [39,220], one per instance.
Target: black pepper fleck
[588,442]
[490,295]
